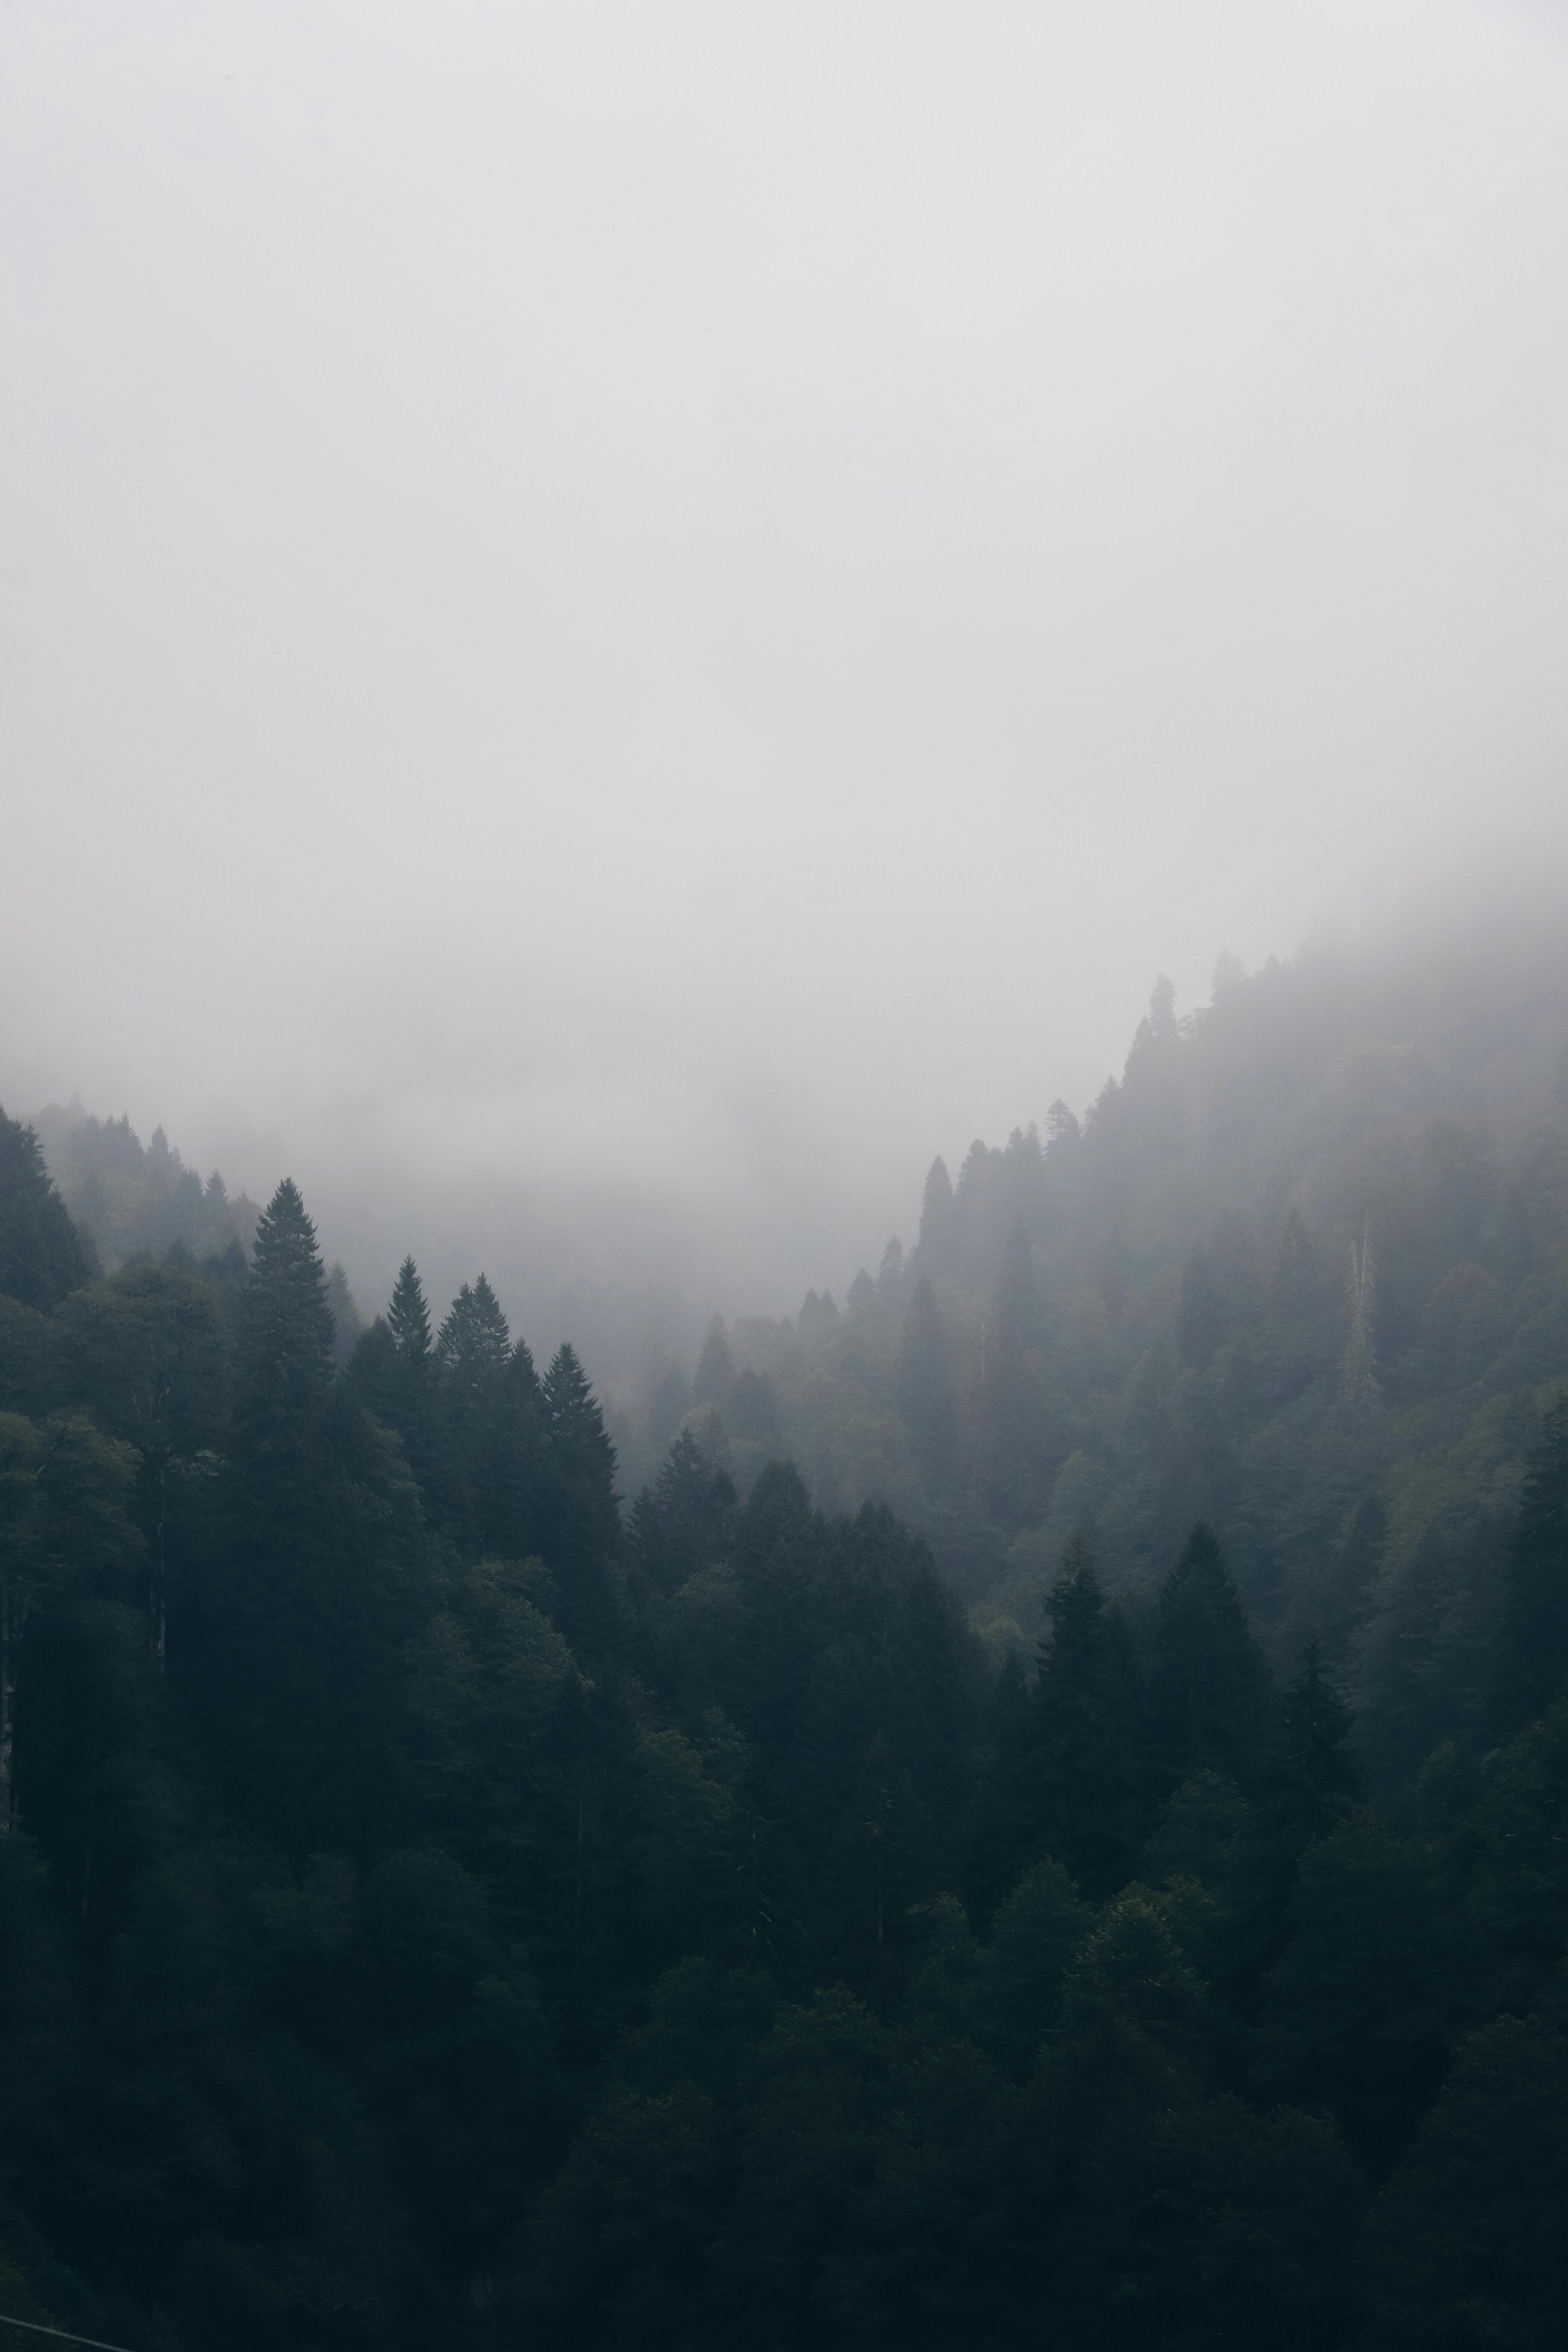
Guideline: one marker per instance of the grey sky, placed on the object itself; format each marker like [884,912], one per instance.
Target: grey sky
[706,593]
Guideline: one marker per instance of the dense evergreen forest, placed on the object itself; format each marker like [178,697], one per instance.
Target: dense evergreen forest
[1082,1857]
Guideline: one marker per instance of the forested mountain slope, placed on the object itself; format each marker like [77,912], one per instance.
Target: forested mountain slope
[128,1197]
[442,1906]
[1146,1318]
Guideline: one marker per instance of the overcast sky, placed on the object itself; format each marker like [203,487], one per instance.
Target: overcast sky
[706,593]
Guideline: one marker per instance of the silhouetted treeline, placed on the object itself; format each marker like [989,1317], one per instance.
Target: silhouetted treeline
[440,1905]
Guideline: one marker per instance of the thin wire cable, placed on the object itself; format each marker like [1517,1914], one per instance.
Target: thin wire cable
[64,2333]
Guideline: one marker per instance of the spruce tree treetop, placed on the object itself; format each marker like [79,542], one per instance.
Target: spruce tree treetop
[1076,1607]
[289,1310]
[572,1410]
[938,1246]
[285,1355]
[715,1367]
[583,1535]
[1063,1133]
[1209,1693]
[523,1380]
[41,1256]
[409,1317]
[474,1344]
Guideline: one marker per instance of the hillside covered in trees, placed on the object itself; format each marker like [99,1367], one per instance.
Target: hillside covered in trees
[1301,1273]
[1042,1815]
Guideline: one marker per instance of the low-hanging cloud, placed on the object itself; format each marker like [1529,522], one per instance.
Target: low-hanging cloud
[691,602]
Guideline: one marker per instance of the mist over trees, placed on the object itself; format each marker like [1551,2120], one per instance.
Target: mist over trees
[1026,1803]
[1295,1274]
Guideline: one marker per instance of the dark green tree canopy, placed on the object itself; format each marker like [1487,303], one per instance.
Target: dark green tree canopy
[487,1918]
[474,1343]
[1084,1743]
[1533,1652]
[1209,1686]
[928,1390]
[937,1250]
[41,1253]
[408,1317]
[285,1357]
[681,1525]
[1315,1779]
[715,1371]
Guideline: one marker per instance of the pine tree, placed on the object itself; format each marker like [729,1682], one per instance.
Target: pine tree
[777,1557]
[1018,1997]
[284,1361]
[1001,1837]
[1532,1651]
[1064,1137]
[583,1531]
[1315,1779]
[474,1344]
[1085,1734]
[41,1256]
[928,1392]
[409,1319]
[347,1321]
[936,1251]
[1017,1456]
[715,1368]
[680,1525]
[862,1296]
[390,1370]
[1209,1690]
[145,1350]
[375,1375]
[504,1453]
[291,1655]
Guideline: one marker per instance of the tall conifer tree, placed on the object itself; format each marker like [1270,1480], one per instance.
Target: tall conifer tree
[284,1361]
[1085,1731]
[583,1536]
[1209,1691]
[474,1345]
[715,1373]
[41,1253]
[938,1248]
[409,1317]
[928,1392]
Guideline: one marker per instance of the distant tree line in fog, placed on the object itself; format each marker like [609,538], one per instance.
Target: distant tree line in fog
[1118,1895]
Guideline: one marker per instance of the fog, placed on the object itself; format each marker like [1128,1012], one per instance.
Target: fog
[620,622]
